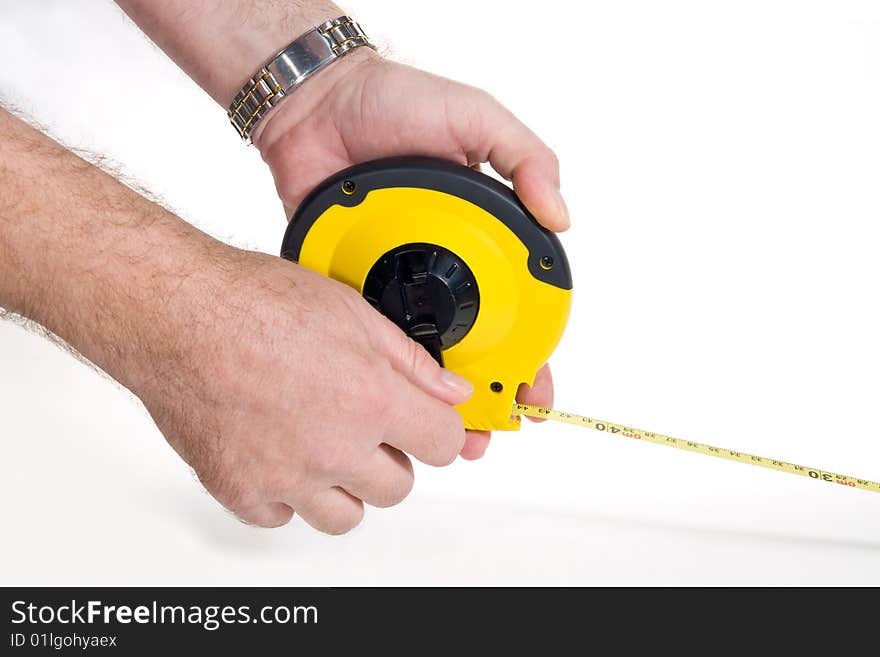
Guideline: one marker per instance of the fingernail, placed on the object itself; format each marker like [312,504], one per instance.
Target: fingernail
[562,210]
[461,385]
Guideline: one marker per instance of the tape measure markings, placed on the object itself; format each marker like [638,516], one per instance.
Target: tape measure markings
[816,474]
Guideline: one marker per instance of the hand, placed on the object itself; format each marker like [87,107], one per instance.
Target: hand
[293,394]
[363,108]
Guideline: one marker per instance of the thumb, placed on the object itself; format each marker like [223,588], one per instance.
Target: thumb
[411,360]
[515,152]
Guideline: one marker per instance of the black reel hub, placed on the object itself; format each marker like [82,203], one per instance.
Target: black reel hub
[428,291]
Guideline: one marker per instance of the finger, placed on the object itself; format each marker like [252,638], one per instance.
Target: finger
[272,514]
[539,394]
[425,427]
[332,511]
[475,444]
[516,153]
[385,480]
[532,181]
[410,359]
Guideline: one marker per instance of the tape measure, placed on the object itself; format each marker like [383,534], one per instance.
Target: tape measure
[453,258]
[816,474]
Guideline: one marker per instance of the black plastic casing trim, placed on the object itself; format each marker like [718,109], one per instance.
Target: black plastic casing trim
[442,176]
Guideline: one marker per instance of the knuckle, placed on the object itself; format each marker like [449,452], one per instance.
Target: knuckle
[265,518]
[446,457]
[450,444]
[414,355]
[230,491]
[276,522]
[375,392]
[343,523]
[330,456]
[419,359]
[480,96]
[377,402]
[262,524]
[241,497]
[396,492]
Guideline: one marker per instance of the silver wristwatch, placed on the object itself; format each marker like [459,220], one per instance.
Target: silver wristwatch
[288,69]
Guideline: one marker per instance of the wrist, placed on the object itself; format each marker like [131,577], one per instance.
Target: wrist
[220,44]
[157,310]
[92,261]
[137,300]
[306,56]
[312,97]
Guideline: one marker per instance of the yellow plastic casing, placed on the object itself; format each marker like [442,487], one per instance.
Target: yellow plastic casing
[520,319]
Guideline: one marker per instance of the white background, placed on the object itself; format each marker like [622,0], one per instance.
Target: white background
[722,165]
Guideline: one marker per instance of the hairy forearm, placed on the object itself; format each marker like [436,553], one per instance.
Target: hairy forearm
[221,43]
[91,260]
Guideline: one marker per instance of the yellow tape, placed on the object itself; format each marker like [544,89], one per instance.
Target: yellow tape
[688,445]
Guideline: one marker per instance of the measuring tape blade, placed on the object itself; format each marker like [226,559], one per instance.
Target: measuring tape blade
[701,448]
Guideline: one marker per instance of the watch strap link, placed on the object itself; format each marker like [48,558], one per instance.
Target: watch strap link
[289,68]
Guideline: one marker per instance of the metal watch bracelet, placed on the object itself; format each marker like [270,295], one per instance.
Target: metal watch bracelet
[307,55]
